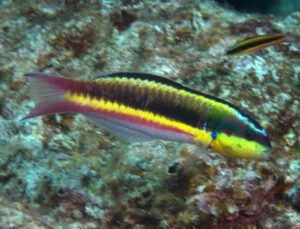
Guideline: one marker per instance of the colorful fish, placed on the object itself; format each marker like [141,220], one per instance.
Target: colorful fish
[138,106]
[256,43]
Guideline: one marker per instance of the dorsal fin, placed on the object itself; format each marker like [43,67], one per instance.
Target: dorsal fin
[143,76]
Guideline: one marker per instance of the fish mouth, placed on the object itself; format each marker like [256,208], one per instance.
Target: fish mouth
[268,144]
[268,150]
[266,153]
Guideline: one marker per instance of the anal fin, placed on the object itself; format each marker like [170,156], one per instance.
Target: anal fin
[119,128]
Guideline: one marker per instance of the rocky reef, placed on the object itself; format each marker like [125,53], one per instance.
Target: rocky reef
[61,171]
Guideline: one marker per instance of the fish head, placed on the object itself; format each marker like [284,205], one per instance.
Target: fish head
[241,137]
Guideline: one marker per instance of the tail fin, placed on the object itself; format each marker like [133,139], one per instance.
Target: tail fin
[48,94]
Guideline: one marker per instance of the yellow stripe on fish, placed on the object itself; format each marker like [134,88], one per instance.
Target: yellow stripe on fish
[102,105]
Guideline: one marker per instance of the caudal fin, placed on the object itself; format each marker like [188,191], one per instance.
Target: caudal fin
[48,94]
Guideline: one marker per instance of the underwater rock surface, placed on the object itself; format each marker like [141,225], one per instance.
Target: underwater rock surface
[61,171]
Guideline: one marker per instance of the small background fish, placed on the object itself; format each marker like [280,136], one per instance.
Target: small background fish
[256,43]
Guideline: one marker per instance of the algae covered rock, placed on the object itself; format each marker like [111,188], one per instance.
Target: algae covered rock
[61,171]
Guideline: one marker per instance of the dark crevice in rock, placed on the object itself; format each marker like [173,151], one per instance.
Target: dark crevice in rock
[276,7]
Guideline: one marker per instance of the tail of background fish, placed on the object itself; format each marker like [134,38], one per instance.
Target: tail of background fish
[48,94]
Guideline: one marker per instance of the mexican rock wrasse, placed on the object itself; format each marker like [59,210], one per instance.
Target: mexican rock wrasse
[140,107]
[256,43]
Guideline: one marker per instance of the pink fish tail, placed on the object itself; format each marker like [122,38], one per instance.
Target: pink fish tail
[48,94]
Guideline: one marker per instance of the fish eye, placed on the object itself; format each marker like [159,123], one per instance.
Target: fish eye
[249,135]
[213,135]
